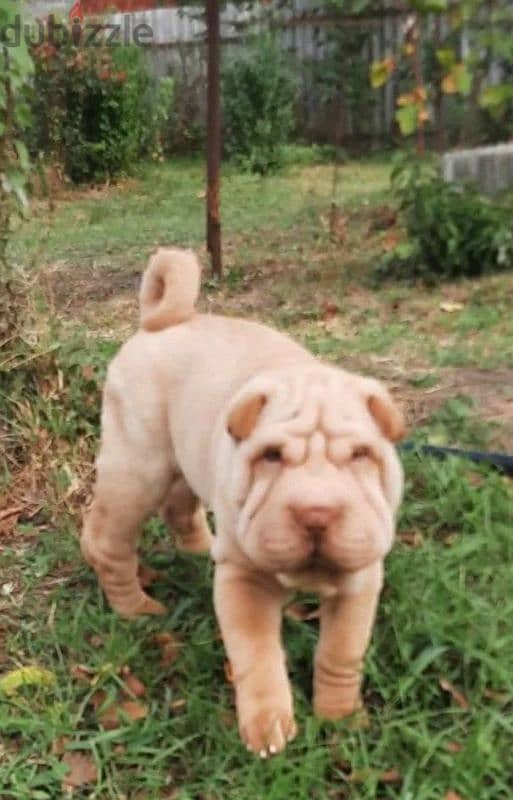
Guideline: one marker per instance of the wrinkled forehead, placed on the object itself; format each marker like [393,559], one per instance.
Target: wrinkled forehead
[328,404]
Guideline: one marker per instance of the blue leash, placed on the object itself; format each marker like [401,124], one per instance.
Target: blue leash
[500,461]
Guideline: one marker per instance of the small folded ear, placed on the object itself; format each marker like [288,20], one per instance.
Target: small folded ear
[243,418]
[386,413]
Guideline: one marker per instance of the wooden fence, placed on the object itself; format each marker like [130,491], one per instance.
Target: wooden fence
[335,106]
[330,54]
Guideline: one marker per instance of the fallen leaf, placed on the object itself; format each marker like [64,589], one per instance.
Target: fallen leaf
[390,776]
[411,538]
[201,195]
[96,640]
[134,685]
[458,696]
[178,705]
[169,647]
[88,372]
[26,676]
[454,747]
[329,309]
[97,699]
[500,697]
[133,710]
[115,715]
[83,673]
[301,612]
[451,307]
[82,770]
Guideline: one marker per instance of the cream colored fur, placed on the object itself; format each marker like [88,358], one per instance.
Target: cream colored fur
[295,458]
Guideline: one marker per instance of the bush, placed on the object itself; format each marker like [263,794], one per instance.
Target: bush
[15,74]
[259,96]
[453,230]
[96,108]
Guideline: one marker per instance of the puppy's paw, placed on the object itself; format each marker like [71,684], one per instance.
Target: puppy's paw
[267,731]
[330,707]
[143,605]
[195,536]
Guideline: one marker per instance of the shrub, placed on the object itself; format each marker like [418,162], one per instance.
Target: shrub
[259,97]
[96,108]
[15,73]
[453,230]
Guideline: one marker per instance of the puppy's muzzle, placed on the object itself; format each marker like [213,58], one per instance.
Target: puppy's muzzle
[315,521]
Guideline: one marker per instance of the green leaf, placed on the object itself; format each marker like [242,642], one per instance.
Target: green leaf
[380,72]
[463,78]
[495,97]
[406,118]
[446,58]
[458,80]
[26,676]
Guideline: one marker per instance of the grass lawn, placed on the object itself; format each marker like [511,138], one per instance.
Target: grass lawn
[144,708]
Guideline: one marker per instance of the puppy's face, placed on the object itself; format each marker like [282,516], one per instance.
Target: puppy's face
[316,477]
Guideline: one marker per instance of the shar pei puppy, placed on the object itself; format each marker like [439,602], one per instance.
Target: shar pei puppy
[295,458]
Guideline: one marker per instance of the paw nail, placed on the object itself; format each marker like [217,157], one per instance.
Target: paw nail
[263,753]
[273,749]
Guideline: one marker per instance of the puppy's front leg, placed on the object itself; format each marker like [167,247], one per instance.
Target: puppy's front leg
[249,611]
[346,627]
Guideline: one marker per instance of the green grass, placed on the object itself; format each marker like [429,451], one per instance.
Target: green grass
[165,204]
[447,607]
[446,614]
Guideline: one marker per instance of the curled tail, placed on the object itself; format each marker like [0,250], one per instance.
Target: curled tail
[169,289]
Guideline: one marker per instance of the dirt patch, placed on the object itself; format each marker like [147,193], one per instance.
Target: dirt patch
[105,299]
[69,288]
[491,392]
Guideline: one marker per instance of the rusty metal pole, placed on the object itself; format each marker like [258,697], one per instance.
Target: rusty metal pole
[213,138]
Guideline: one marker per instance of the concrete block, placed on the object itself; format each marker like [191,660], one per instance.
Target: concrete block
[489,168]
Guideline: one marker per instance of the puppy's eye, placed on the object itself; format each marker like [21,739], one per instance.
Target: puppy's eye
[360,452]
[272,454]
